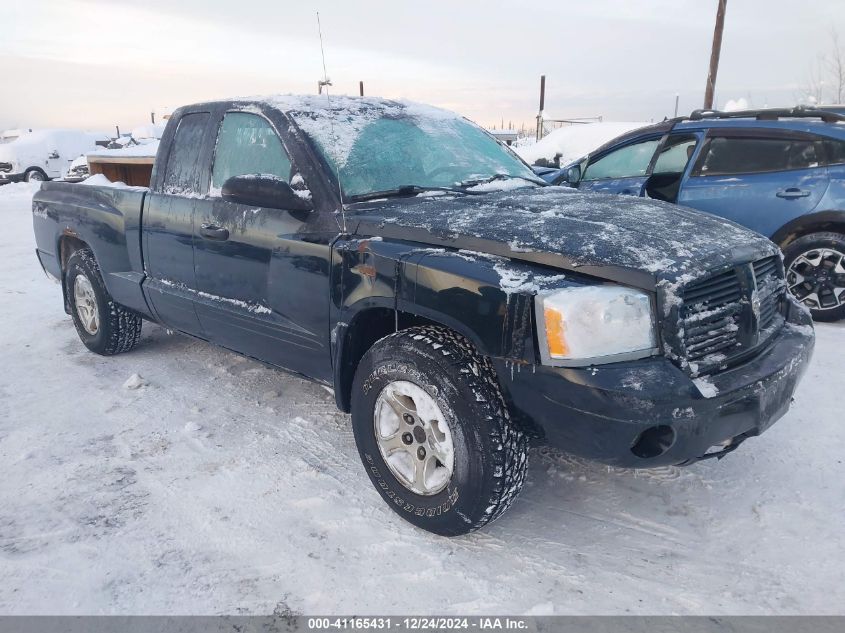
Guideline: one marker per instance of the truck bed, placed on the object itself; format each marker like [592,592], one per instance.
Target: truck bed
[107,219]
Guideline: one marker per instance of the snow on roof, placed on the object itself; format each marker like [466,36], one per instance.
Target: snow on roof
[144,150]
[14,133]
[53,135]
[574,141]
[335,122]
[352,105]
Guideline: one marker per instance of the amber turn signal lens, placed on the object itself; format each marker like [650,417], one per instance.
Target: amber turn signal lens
[555,338]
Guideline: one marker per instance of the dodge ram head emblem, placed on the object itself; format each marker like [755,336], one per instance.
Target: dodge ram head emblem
[755,306]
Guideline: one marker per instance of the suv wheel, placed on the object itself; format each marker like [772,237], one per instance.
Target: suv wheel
[103,326]
[434,432]
[815,274]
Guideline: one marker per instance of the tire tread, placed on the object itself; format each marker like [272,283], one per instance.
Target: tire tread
[511,453]
[123,327]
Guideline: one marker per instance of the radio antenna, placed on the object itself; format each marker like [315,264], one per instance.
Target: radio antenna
[325,82]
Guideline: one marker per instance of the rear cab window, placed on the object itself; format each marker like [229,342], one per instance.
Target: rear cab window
[183,172]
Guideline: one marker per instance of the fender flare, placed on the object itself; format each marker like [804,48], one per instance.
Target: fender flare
[392,319]
[810,223]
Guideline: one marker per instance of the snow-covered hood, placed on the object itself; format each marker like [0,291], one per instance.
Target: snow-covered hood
[631,240]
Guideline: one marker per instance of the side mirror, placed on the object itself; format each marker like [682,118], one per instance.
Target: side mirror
[573,175]
[264,190]
[54,154]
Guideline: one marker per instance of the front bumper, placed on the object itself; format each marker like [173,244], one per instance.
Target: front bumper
[647,413]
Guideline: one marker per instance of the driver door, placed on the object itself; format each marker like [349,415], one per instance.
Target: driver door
[261,273]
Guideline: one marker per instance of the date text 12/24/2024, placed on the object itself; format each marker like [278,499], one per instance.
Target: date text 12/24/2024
[418,623]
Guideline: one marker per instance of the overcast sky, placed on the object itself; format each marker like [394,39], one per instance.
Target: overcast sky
[94,64]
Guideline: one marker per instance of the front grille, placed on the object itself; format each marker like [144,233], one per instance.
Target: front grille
[727,314]
[7,167]
[770,287]
[711,316]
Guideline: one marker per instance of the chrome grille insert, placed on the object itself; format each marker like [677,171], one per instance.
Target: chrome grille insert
[725,315]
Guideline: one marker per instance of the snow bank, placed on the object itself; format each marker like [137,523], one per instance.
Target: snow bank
[99,180]
[734,105]
[574,141]
[149,131]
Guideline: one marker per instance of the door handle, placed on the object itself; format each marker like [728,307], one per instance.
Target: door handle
[792,192]
[213,232]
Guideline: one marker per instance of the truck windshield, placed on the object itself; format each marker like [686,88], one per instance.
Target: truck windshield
[402,149]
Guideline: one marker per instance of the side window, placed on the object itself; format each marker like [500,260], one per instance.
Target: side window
[835,152]
[246,144]
[675,155]
[628,161]
[728,155]
[182,175]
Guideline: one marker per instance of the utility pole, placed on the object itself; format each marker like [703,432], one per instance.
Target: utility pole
[361,88]
[714,55]
[542,106]
[677,98]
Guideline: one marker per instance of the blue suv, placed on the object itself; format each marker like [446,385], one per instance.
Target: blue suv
[778,172]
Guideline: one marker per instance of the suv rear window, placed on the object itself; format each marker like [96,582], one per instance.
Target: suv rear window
[835,152]
[734,155]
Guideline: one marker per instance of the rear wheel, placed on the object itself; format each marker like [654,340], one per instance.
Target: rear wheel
[815,274]
[103,326]
[434,432]
[35,174]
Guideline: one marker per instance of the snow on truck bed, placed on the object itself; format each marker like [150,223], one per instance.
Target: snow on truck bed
[181,478]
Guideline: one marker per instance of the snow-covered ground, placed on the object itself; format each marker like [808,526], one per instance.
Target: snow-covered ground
[212,484]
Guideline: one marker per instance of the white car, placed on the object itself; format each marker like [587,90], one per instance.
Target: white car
[44,154]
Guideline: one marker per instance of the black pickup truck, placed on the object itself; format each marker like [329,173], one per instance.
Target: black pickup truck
[456,304]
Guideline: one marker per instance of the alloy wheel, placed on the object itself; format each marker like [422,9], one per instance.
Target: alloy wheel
[414,438]
[817,278]
[86,304]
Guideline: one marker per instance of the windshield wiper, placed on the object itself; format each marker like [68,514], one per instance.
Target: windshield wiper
[482,181]
[403,191]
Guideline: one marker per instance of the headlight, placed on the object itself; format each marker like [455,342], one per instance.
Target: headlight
[590,325]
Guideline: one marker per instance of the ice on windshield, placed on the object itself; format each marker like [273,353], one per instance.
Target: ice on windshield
[380,145]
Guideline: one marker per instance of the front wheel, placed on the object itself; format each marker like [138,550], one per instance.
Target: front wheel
[103,326]
[434,432]
[815,274]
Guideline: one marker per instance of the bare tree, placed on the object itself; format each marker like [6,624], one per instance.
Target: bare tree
[813,89]
[826,78]
[835,67]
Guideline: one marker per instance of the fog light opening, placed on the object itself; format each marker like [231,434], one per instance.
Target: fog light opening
[654,441]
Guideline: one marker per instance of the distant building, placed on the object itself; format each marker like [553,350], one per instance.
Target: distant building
[508,137]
